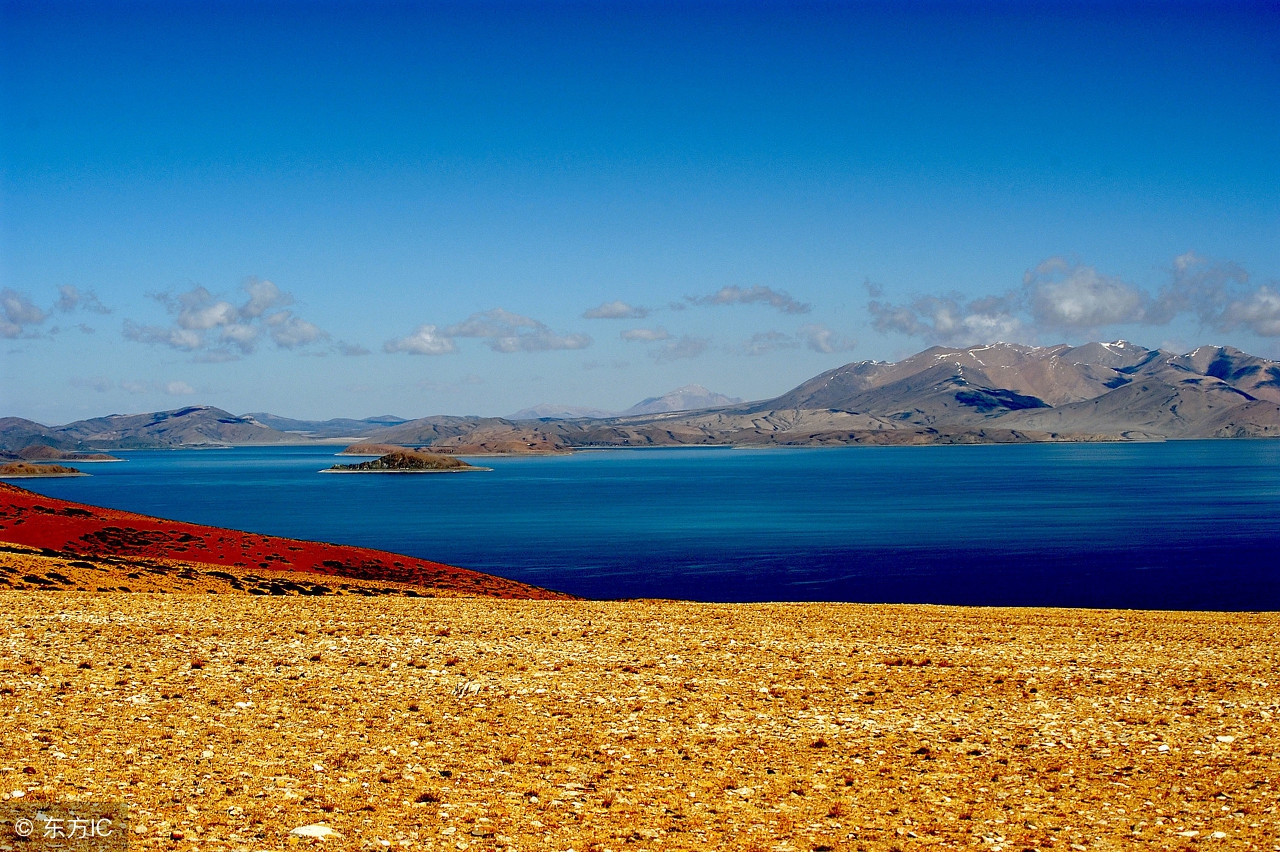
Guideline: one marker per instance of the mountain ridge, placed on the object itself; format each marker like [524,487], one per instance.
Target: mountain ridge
[999,391]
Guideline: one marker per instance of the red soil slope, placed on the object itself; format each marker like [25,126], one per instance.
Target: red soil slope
[73,528]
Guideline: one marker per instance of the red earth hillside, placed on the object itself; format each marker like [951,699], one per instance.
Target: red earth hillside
[74,528]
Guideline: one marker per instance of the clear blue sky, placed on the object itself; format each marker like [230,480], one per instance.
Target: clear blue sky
[348,209]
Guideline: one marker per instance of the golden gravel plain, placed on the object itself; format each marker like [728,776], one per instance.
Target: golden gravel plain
[226,721]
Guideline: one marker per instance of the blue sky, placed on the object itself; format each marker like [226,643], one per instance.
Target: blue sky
[348,209]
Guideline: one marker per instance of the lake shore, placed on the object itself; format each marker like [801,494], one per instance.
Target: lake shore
[227,721]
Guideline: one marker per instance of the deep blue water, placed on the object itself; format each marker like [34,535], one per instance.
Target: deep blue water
[1178,525]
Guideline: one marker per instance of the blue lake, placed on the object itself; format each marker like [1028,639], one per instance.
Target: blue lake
[1178,525]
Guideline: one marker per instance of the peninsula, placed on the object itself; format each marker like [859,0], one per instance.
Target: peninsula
[23,470]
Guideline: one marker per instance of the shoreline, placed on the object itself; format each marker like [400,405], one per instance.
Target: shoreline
[43,475]
[470,469]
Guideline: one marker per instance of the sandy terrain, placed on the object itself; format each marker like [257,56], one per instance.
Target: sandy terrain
[225,721]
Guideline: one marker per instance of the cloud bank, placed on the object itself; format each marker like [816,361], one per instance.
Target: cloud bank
[645,335]
[21,317]
[1060,296]
[735,295]
[18,314]
[502,331]
[221,331]
[616,310]
[685,346]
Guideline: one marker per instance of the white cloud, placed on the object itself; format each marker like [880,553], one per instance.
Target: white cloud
[539,340]
[1258,311]
[735,295]
[948,320]
[101,384]
[1060,295]
[217,329]
[70,298]
[97,384]
[766,342]
[17,314]
[819,338]
[424,341]
[176,338]
[1217,293]
[683,347]
[240,335]
[616,310]
[263,296]
[1067,296]
[646,335]
[492,324]
[503,330]
[289,332]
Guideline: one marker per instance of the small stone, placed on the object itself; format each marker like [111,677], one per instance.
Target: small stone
[1225,738]
[319,831]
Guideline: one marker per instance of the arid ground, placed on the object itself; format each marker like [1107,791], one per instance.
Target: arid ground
[226,721]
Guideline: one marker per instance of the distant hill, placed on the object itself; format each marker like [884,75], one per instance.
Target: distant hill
[551,411]
[194,426]
[338,427]
[992,393]
[687,398]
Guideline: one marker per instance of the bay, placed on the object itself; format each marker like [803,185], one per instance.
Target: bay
[1176,525]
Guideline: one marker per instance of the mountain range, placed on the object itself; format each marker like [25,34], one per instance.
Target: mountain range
[1002,392]
[687,398]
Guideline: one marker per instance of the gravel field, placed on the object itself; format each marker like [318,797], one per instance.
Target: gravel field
[229,721]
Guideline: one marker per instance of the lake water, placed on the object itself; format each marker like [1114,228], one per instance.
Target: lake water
[1178,525]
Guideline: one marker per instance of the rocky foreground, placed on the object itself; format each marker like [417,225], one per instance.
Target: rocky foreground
[230,721]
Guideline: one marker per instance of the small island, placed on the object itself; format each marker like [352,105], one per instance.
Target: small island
[25,470]
[407,461]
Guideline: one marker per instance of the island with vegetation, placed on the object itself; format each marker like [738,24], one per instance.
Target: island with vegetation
[407,461]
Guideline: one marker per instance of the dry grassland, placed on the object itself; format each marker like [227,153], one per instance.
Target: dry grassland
[226,721]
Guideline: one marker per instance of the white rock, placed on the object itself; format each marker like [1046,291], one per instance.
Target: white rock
[319,831]
[1226,739]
